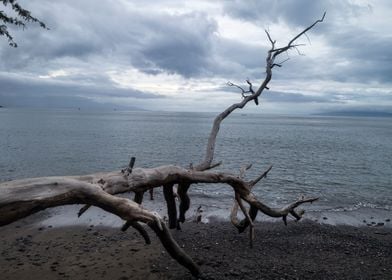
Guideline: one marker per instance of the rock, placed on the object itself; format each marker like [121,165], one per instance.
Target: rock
[380,224]
[325,218]
[234,273]
[388,220]
[381,233]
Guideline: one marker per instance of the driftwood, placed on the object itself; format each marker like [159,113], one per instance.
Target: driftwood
[21,198]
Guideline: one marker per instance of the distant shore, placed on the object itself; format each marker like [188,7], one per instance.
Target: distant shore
[304,250]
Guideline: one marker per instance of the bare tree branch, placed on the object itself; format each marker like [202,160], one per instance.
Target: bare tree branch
[21,198]
[272,54]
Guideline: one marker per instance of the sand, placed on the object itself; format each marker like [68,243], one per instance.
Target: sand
[304,250]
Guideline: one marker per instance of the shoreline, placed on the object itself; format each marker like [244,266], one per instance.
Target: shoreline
[66,216]
[305,250]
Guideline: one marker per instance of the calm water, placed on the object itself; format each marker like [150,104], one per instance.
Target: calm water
[347,162]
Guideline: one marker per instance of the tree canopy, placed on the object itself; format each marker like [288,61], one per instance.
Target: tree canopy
[20,18]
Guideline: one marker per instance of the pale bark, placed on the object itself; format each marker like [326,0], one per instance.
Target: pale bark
[40,193]
[21,198]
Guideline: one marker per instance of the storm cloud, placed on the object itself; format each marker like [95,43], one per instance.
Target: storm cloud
[128,52]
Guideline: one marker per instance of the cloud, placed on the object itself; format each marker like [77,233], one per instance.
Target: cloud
[185,51]
[293,12]
[290,97]
[150,41]
[15,87]
[181,46]
[368,55]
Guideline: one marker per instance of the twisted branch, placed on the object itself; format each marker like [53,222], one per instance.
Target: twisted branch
[270,59]
[21,198]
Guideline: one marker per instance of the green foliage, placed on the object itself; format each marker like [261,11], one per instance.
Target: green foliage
[21,18]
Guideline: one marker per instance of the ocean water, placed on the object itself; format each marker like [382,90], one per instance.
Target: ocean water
[346,162]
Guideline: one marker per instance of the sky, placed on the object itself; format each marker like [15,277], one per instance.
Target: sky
[179,55]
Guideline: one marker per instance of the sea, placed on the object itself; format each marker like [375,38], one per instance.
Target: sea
[345,161]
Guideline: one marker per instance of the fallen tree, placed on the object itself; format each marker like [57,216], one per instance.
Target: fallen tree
[21,198]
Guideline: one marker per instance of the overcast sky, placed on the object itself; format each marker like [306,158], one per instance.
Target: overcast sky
[178,55]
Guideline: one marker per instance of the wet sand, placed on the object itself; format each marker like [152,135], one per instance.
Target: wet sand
[304,250]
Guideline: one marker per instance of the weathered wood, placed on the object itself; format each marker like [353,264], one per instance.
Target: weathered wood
[185,201]
[21,198]
[139,228]
[171,205]
[251,216]
[138,198]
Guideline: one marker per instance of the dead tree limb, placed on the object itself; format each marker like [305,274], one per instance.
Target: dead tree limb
[273,53]
[21,198]
[171,205]
[251,216]
[141,179]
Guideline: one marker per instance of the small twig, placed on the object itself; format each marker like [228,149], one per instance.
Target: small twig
[255,181]
[270,39]
[83,209]
[213,165]
[243,169]
[230,84]
[298,51]
[284,61]
[284,218]
[290,44]
[307,37]
[130,165]
[250,86]
[151,191]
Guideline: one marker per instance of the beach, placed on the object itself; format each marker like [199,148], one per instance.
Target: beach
[195,102]
[301,250]
[343,161]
